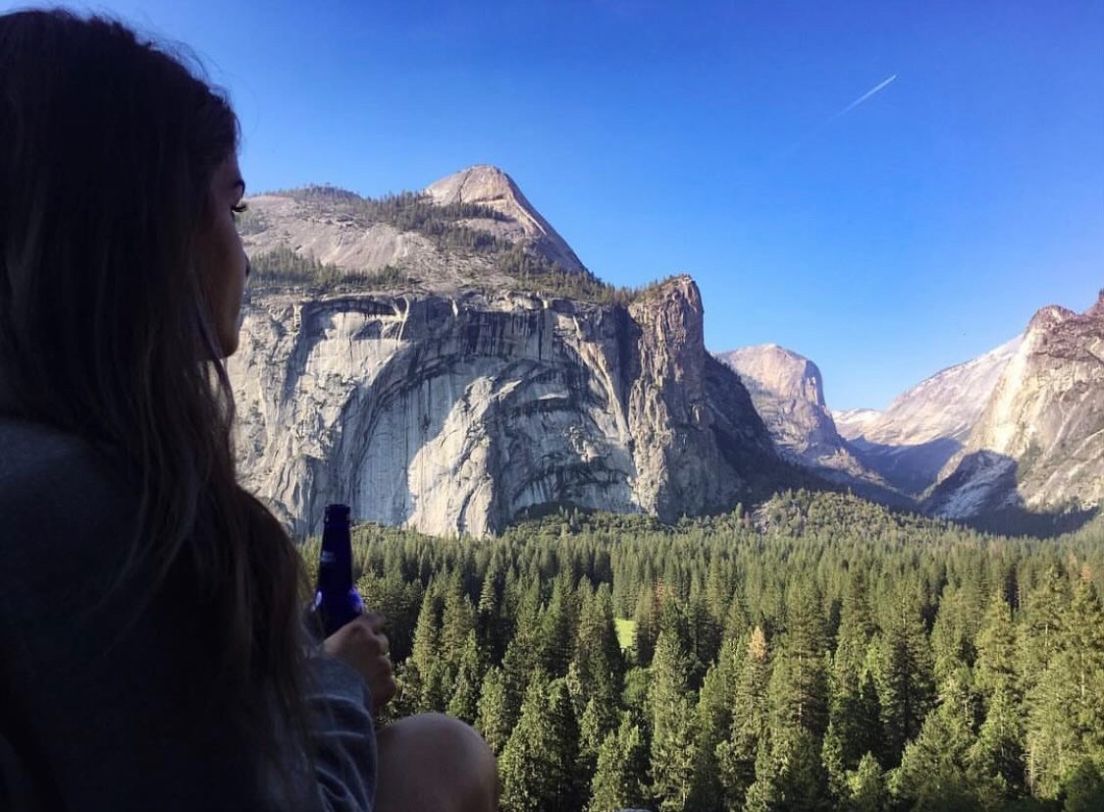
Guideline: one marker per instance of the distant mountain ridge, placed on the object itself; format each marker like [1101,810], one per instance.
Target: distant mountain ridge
[911,441]
[942,405]
[788,392]
[443,360]
[1013,433]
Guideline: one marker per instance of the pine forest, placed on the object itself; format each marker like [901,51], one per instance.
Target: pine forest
[820,652]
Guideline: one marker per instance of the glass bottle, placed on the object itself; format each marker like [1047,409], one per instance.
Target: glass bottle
[336,600]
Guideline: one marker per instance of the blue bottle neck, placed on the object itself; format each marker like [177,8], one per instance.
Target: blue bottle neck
[335,565]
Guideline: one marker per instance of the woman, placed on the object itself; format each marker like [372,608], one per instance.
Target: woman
[152,651]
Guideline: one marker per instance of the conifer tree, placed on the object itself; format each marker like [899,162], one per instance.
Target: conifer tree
[1045,608]
[856,630]
[523,652]
[396,601]
[1084,789]
[672,712]
[798,688]
[634,698]
[718,592]
[1066,717]
[564,746]
[713,723]
[527,784]
[558,624]
[866,787]
[599,662]
[464,703]
[488,619]
[952,640]
[599,718]
[997,754]
[995,668]
[736,756]
[762,795]
[799,778]
[934,771]
[645,625]
[737,620]
[1083,655]
[494,719]
[537,766]
[622,763]
[905,677]
[835,765]
[704,635]
[457,621]
[428,674]
[996,757]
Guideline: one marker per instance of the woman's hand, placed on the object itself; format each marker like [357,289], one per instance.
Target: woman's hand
[363,645]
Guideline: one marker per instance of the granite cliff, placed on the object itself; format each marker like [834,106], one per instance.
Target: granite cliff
[1039,443]
[443,360]
[788,392]
[472,396]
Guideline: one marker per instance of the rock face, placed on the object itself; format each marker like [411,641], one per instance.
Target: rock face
[323,227]
[853,422]
[911,441]
[453,414]
[1039,443]
[489,186]
[788,392]
[453,400]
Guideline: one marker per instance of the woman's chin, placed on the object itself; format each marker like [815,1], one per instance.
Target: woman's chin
[229,343]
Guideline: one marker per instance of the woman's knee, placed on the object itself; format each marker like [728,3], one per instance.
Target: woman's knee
[433,755]
[458,742]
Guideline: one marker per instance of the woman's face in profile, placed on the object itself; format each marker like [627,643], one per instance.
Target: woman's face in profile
[223,263]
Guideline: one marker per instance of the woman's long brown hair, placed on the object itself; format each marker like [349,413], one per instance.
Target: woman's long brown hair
[108,145]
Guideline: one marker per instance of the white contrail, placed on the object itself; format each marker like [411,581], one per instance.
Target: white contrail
[878,88]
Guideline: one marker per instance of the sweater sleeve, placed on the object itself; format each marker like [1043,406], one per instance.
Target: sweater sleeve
[344,738]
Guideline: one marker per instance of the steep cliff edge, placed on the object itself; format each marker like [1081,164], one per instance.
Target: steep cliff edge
[455,413]
[1039,443]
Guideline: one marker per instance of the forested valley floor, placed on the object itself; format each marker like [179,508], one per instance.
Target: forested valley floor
[823,653]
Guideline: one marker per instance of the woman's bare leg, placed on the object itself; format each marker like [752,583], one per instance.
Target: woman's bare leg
[434,762]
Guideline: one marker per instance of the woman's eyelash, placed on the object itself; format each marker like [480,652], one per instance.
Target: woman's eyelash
[241,208]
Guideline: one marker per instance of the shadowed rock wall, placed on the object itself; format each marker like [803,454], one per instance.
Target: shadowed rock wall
[454,414]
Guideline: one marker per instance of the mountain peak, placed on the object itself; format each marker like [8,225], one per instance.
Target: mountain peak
[1047,317]
[483,184]
[787,390]
[488,186]
[778,370]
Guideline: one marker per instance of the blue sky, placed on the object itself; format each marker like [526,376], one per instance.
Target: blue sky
[916,230]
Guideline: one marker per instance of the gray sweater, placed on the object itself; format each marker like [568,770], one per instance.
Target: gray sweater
[89,726]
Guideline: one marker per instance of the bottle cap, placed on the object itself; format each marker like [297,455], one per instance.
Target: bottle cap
[337,513]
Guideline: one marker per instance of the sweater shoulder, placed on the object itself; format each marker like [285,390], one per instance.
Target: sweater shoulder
[37,457]
[65,505]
